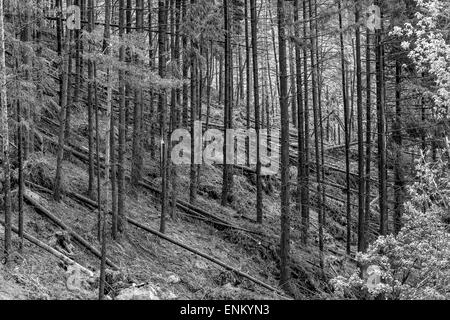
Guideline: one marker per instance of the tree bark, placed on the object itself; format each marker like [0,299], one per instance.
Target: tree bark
[285,190]
[359,105]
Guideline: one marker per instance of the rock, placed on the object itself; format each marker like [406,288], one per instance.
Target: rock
[173,279]
[78,280]
[201,265]
[134,293]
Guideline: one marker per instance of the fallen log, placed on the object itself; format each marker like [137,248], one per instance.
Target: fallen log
[43,211]
[189,208]
[49,249]
[205,256]
[181,204]
[195,251]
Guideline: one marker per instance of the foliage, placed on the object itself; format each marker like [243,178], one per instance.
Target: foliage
[415,263]
[429,49]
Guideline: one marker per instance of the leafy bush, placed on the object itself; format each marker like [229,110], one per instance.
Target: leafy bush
[415,264]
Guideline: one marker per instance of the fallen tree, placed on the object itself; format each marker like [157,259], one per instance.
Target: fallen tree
[51,250]
[44,212]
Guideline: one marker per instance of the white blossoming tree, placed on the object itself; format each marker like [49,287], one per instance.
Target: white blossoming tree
[427,41]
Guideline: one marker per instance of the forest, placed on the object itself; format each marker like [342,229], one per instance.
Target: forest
[225,150]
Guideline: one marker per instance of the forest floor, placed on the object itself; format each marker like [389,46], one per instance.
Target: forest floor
[163,270]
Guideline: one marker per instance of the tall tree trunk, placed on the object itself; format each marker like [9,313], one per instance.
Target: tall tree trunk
[62,117]
[249,80]
[301,118]
[347,132]
[269,6]
[305,193]
[256,102]
[186,62]
[121,219]
[293,88]
[20,172]
[285,190]
[162,38]
[359,105]
[97,156]
[137,157]
[106,50]
[174,114]
[91,165]
[317,121]
[194,105]
[381,134]
[5,139]
[228,99]
[399,183]
[152,94]
[368,134]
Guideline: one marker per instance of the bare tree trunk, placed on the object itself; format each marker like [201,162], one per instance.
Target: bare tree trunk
[285,190]
[347,133]
[368,134]
[248,78]
[121,218]
[137,160]
[293,89]
[174,121]
[317,123]
[381,134]
[228,99]
[62,117]
[91,165]
[359,103]
[269,6]
[194,105]
[162,38]
[152,62]
[399,184]
[301,118]
[305,193]
[107,185]
[254,29]
[185,71]
[97,155]
[5,139]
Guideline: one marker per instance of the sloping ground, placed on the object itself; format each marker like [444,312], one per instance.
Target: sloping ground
[169,271]
[9,290]
[144,259]
[141,257]
[161,270]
